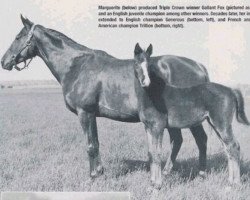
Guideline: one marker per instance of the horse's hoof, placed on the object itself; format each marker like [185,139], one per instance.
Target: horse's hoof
[100,170]
[93,175]
[202,174]
[166,172]
[156,186]
[167,169]
[97,172]
[235,185]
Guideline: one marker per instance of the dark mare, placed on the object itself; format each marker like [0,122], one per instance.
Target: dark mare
[162,105]
[96,84]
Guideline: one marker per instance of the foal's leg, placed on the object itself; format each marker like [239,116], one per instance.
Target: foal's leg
[88,123]
[154,154]
[201,141]
[232,149]
[175,141]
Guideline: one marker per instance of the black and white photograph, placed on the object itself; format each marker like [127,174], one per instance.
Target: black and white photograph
[124,100]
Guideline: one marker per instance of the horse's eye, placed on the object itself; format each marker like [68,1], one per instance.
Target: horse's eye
[17,37]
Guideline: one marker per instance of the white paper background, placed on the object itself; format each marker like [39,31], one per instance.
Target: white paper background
[223,48]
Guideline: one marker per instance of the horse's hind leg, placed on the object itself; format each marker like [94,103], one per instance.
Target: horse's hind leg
[201,141]
[88,123]
[175,141]
[232,149]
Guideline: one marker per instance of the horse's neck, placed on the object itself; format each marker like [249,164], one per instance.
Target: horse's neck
[58,54]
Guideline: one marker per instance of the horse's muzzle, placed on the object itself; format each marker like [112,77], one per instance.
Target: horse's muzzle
[8,66]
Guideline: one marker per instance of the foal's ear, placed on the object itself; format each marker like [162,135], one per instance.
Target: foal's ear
[149,50]
[26,22]
[138,49]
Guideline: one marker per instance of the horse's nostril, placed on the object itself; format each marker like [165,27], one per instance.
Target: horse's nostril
[2,62]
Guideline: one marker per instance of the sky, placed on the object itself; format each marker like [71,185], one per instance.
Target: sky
[223,48]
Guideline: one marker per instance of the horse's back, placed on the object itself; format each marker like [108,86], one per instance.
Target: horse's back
[180,71]
[216,91]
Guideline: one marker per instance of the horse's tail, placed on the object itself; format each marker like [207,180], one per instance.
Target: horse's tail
[240,111]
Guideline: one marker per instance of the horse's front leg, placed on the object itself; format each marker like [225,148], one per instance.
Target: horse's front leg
[88,123]
[154,154]
[176,142]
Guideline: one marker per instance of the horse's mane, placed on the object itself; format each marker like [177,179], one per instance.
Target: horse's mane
[67,39]
[79,46]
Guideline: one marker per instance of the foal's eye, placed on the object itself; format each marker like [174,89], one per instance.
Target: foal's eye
[137,65]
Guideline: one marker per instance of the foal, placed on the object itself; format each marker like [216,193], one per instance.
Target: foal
[162,105]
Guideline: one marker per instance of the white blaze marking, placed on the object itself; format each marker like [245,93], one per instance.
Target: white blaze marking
[146,81]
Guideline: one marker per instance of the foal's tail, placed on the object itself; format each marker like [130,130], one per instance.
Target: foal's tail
[240,111]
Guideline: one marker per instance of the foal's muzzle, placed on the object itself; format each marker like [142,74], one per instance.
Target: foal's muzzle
[145,82]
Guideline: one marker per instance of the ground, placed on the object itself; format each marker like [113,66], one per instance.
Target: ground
[42,148]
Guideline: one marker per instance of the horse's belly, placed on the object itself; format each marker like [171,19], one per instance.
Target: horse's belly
[118,101]
[186,119]
[118,114]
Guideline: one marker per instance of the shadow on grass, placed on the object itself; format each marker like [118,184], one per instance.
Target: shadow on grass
[186,169]
[129,166]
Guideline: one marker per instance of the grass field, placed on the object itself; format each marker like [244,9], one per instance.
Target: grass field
[42,148]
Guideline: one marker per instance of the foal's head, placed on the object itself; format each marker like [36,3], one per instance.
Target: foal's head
[141,66]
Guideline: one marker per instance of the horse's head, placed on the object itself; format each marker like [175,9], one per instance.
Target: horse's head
[141,66]
[22,48]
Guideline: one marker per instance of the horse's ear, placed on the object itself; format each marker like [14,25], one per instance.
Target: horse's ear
[26,22]
[138,49]
[149,50]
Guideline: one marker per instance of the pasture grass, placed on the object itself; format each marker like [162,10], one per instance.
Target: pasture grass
[42,148]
